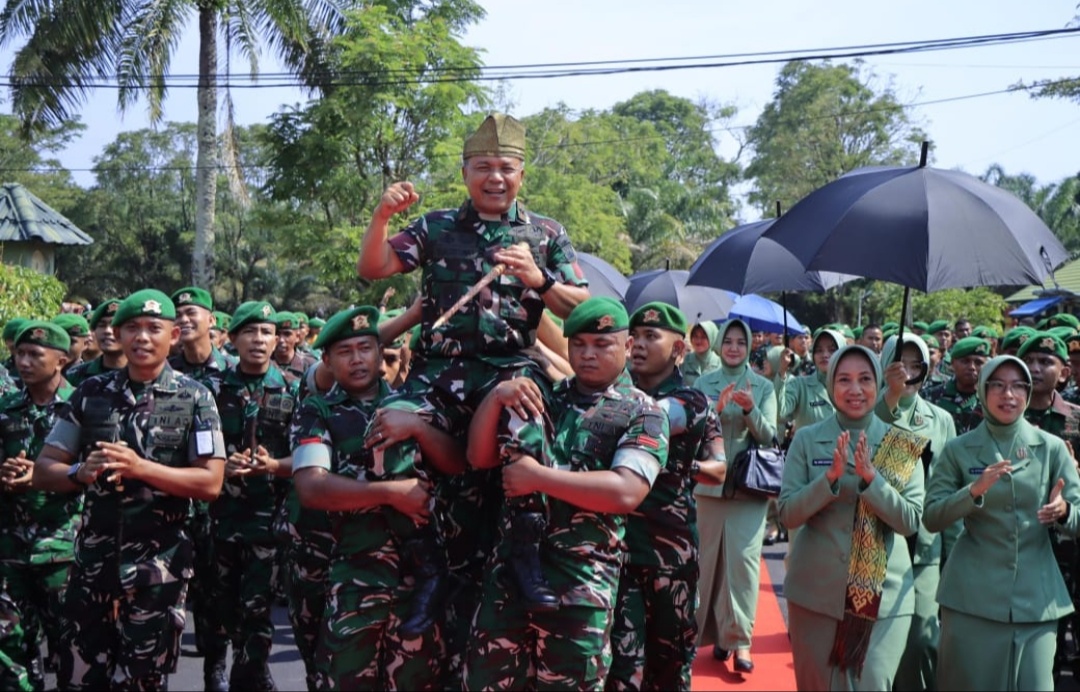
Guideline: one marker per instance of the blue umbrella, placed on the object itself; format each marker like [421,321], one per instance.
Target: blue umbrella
[763,315]
[669,286]
[604,279]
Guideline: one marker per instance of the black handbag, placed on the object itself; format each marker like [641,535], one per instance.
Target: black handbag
[756,471]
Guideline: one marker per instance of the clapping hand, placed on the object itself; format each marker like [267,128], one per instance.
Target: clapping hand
[864,467]
[839,458]
[989,476]
[744,398]
[1054,510]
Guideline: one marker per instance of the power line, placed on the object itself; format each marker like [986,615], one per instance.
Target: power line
[448,74]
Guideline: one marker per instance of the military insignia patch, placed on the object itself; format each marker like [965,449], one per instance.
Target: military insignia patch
[1054,322]
[360,322]
[981,350]
[287,324]
[266,310]
[38,334]
[111,308]
[652,315]
[1047,343]
[185,297]
[605,322]
[1074,346]
[152,306]
[1023,338]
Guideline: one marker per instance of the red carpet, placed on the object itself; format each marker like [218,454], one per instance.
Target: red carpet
[771,653]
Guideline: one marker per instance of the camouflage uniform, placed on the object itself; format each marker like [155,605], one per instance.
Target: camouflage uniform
[78,374]
[124,602]
[37,536]
[582,551]
[294,370]
[964,408]
[255,409]
[455,366]
[210,637]
[12,373]
[654,634]
[7,384]
[370,588]
[1071,393]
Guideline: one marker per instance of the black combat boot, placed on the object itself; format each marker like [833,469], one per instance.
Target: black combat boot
[214,678]
[526,530]
[428,564]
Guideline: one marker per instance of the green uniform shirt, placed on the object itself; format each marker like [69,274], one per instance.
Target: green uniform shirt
[662,531]
[7,384]
[36,527]
[964,408]
[201,372]
[295,369]
[173,421]
[1061,419]
[80,373]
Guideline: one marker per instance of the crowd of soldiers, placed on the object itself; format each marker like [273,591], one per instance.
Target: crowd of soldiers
[494,487]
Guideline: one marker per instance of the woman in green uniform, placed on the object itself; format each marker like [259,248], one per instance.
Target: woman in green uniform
[854,485]
[731,526]
[1001,591]
[701,358]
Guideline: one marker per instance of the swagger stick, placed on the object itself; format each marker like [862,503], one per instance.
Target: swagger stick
[496,271]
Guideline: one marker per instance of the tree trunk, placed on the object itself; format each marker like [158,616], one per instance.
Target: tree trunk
[202,264]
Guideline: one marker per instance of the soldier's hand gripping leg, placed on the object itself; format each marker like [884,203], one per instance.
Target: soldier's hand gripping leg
[526,531]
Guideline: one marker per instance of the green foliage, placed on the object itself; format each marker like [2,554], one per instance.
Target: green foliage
[1057,204]
[824,121]
[29,294]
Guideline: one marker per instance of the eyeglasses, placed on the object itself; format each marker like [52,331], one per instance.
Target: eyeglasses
[999,387]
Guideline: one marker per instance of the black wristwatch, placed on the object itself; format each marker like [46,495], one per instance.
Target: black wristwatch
[549,280]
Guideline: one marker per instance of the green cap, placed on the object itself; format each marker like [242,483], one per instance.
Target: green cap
[985,332]
[74,325]
[1063,332]
[251,312]
[930,340]
[359,321]
[286,320]
[42,333]
[1044,342]
[498,135]
[596,315]
[1062,319]
[660,315]
[1016,337]
[937,326]
[193,295]
[970,346]
[317,323]
[148,302]
[106,309]
[890,325]
[302,318]
[12,327]
[921,325]
[222,320]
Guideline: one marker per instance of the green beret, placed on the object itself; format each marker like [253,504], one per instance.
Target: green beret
[985,332]
[148,302]
[890,325]
[362,320]
[921,325]
[498,135]
[251,312]
[970,346]
[660,315]
[221,320]
[193,295]
[1016,337]
[286,320]
[847,332]
[886,333]
[12,326]
[74,325]
[857,331]
[938,326]
[302,318]
[1044,342]
[317,323]
[42,333]
[597,315]
[1063,332]
[106,309]
[930,340]
[399,340]
[1062,319]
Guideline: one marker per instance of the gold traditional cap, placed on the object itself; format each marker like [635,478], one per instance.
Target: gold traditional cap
[498,135]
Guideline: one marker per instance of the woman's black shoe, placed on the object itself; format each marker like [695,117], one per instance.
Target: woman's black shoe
[720,654]
[743,665]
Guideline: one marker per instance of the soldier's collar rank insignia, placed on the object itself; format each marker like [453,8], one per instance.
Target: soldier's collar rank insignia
[605,322]
[185,297]
[38,334]
[152,307]
[360,322]
[652,315]
[266,311]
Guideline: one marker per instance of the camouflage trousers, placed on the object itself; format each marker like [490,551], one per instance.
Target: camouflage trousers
[242,576]
[564,649]
[306,585]
[36,593]
[130,643]
[210,636]
[361,649]
[654,634]
[14,674]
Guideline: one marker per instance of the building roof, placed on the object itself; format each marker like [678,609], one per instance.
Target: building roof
[1068,281]
[24,217]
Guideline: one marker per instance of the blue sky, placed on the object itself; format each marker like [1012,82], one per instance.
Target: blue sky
[1024,135]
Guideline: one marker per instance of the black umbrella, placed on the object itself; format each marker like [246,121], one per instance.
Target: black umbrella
[697,302]
[919,227]
[604,279]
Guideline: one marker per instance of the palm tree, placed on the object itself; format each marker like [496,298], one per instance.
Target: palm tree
[73,46]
